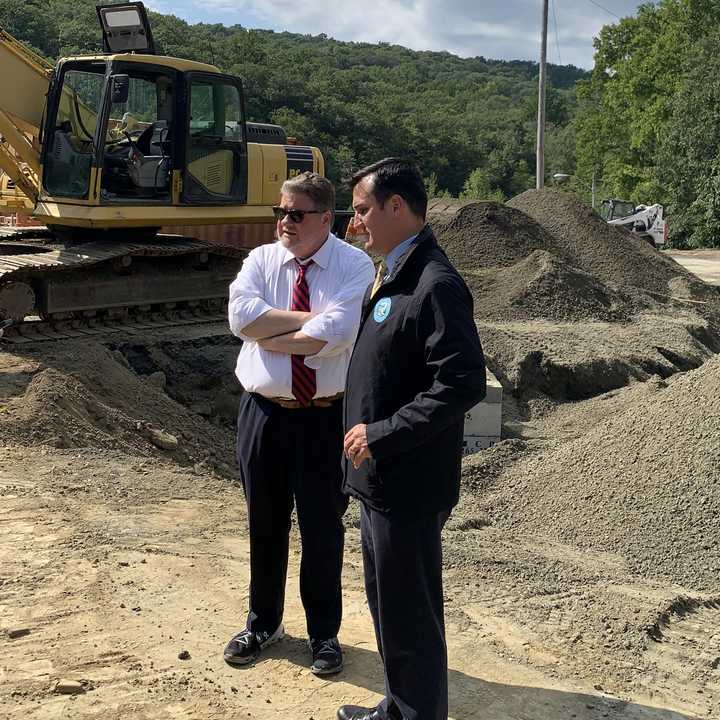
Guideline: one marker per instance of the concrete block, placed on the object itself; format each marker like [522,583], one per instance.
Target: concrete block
[494,389]
[474,443]
[483,422]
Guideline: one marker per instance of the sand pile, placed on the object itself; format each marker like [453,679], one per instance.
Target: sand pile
[643,484]
[547,255]
[488,234]
[91,398]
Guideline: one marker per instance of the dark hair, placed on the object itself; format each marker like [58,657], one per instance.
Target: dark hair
[318,188]
[395,176]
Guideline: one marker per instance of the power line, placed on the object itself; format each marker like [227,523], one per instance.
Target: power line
[609,12]
[557,36]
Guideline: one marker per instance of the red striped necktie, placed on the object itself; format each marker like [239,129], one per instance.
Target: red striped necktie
[303,378]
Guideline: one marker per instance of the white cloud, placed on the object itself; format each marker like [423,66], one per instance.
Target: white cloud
[500,29]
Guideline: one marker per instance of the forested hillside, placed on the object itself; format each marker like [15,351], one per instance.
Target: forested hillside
[649,117]
[470,123]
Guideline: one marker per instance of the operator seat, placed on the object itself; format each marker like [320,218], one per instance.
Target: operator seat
[149,163]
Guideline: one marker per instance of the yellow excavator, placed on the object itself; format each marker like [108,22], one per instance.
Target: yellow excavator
[109,148]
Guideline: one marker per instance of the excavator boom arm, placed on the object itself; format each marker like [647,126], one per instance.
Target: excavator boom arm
[24,82]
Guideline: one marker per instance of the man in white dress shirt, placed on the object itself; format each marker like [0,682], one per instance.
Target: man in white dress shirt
[296,306]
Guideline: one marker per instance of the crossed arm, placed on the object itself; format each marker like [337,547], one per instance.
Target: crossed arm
[273,329]
[279,331]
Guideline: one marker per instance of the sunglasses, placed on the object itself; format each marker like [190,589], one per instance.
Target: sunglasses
[297,216]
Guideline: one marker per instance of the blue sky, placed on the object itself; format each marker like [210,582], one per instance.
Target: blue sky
[498,29]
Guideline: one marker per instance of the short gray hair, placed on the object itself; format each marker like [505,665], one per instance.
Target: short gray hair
[318,188]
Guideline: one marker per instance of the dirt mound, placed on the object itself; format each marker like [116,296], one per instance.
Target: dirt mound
[488,234]
[517,270]
[93,399]
[568,306]
[572,361]
[611,254]
[643,484]
[543,286]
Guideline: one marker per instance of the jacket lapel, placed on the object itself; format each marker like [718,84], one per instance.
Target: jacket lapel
[424,236]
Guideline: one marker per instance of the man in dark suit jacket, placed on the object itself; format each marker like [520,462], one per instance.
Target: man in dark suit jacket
[416,368]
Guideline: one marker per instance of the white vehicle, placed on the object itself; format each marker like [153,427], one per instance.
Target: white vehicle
[645,220]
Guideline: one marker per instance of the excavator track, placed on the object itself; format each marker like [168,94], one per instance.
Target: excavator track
[50,291]
[200,322]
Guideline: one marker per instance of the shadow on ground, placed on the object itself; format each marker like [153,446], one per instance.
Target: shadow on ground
[472,698]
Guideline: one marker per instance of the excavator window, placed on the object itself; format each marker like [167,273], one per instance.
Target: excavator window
[71,148]
[216,145]
[138,154]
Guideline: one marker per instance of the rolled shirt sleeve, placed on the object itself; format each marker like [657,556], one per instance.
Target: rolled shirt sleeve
[338,324]
[246,302]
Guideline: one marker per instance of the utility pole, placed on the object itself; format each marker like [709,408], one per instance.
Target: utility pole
[540,153]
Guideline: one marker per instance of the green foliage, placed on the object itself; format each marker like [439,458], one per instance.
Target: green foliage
[29,21]
[477,187]
[699,225]
[688,153]
[647,123]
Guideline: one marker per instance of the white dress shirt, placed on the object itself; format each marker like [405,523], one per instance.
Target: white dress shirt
[337,280]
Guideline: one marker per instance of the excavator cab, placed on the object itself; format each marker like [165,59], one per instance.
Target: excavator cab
[129,140]
[111,147]
[121,130]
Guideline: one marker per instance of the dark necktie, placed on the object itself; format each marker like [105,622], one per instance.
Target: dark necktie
[303,378]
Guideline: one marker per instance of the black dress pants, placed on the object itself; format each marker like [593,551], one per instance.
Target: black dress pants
[402,557]
[292,457]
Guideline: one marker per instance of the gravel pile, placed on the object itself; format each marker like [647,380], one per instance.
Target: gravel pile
[516,270]
[568,306]
[612,254]
[489,234]
[643,484]
[547,255]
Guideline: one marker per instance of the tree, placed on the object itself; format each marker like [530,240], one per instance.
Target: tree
[688,153]
[30,22]
[477,187]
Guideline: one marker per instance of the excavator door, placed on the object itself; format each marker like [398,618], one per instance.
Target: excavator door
[126,28]
[216,159]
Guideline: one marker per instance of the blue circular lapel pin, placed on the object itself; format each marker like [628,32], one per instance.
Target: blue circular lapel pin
[382,309]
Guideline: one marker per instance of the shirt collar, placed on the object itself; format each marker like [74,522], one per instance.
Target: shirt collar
[396,253]
[321,257]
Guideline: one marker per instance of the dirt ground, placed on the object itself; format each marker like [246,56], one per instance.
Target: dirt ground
[581,565]
[704,263]
[118,555]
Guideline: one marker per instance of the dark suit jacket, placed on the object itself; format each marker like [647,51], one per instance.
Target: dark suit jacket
[416,368]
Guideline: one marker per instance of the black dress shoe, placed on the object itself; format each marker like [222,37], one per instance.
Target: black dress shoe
[327,656]
[355,712]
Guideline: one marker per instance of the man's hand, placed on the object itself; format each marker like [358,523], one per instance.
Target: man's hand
[356,445]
